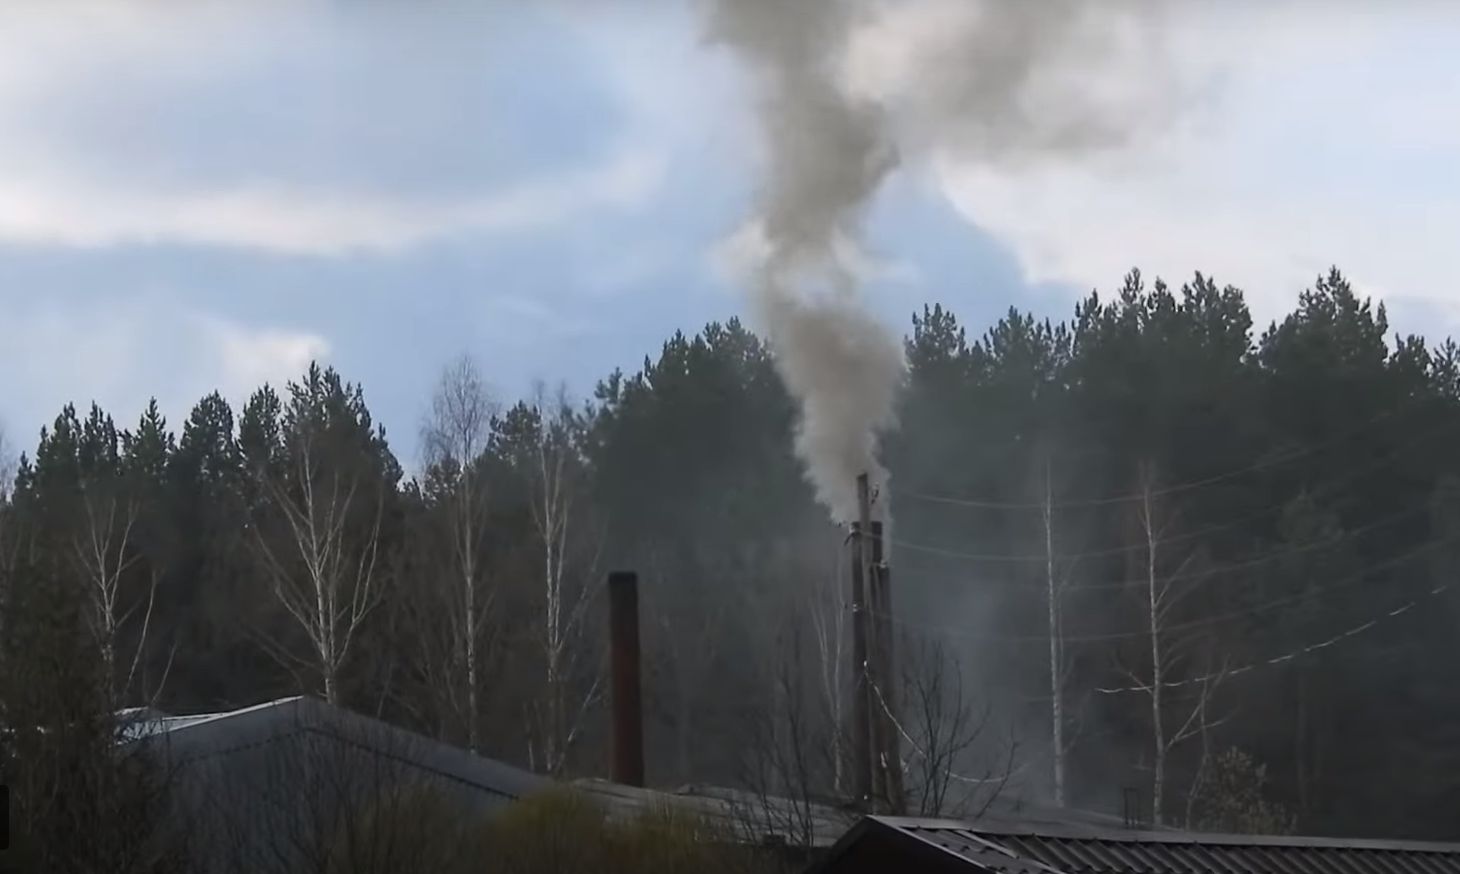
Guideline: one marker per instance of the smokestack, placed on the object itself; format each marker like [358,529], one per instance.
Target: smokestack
[628,708]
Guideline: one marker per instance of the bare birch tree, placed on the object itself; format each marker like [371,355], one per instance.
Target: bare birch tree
[8,538]
[1056,581]
[1160,592]
[829,621]
[104,552]
[320,554]
[7,468]
[456,436]
[1205,684]
[553,468]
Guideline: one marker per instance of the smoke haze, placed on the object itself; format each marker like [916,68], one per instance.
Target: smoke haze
[845,91]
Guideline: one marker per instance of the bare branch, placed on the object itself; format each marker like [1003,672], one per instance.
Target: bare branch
[325,576]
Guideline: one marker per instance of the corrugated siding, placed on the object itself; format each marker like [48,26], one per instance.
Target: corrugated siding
[1118,855]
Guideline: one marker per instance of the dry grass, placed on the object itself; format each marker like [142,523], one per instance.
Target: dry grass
[414,828]
[561,832]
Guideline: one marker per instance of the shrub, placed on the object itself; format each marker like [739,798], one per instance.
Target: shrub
[557,832]
[561,832]
[1233,799]
[405,829]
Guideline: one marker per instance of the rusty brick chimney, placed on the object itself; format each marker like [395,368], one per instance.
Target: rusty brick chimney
[628,707]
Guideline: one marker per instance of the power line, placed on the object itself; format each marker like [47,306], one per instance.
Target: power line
[1275,461]
[1321,490]
[1285,657]
[1215,570]
[1354,473]
[1247,612]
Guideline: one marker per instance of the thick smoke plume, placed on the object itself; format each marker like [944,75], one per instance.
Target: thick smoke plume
[843,87]
[827,155]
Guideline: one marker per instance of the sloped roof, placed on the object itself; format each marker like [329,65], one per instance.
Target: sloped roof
[209,735]
[1117,853]
[1007,815]
[276,787]
[144,722]
[943,845]
[826,821]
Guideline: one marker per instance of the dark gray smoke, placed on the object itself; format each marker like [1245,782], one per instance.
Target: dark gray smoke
[1006,82]
[842,86]
[827,155]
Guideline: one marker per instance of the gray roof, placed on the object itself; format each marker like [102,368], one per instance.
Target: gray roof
[757,818]
[943,845]
[278,786]
[752,817]
[204,736]
[1007,815]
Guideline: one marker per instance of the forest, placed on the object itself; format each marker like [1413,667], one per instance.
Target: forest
[1152,547]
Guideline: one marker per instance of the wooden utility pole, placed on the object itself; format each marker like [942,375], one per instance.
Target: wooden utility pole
[889,759]
[871,682]
[875,747]
[862,749]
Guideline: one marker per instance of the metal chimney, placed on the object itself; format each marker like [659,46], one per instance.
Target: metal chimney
[1134,808]
[628,713]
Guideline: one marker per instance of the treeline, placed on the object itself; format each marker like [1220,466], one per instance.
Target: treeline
[1216,526]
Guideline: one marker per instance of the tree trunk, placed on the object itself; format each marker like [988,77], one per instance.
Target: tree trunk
[1300,742]
[1158,734]
[473,727]
[1057,716]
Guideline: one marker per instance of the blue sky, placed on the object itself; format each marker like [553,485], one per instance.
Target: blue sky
[208,198]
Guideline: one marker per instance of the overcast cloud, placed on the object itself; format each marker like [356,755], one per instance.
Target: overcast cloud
[208,195]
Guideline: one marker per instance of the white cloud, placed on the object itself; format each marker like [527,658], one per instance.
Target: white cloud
[50,208]
[1310,134]
[120,353]
[1330,140]
[1325,136]
[681,92]
[358,79]
[246,358]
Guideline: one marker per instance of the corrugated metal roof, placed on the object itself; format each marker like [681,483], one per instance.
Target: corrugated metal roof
[985,854]
[1123,852]
[1011,815]
[827,820]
